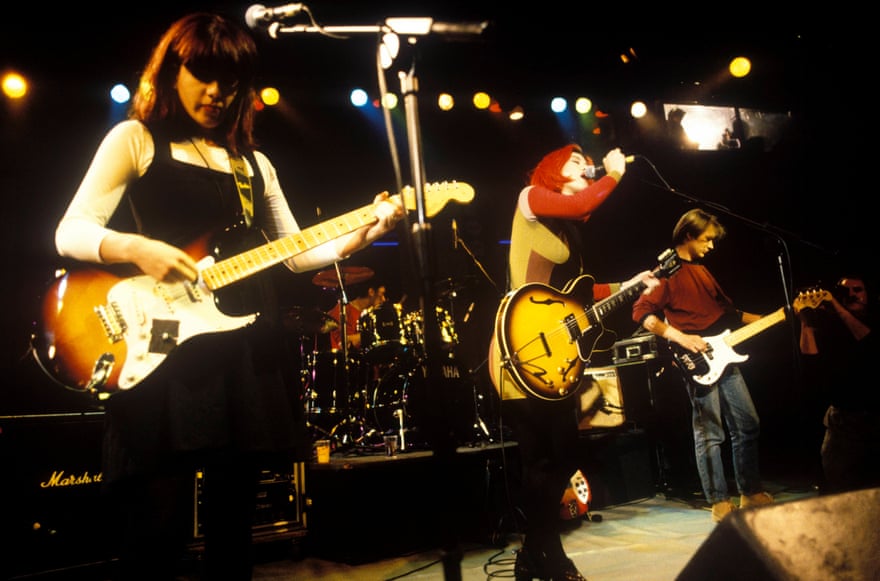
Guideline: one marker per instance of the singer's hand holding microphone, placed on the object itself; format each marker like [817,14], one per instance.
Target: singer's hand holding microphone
[614,160]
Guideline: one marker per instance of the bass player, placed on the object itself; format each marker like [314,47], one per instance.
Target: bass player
[691,304]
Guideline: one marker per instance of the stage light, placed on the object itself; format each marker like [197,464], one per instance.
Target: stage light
[120,94]
[15,86]
[558,104]
[517,113]
[482,100]
[358,97]
[389,101]
[740,67]
[270,96]
[638,109]
[445,101]
[583,105]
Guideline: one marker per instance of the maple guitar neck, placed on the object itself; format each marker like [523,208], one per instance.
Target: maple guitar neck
[748,331]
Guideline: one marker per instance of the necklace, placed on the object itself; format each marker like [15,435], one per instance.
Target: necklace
[199,151]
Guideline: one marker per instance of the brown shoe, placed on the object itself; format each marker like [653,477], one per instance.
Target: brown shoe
[747,500]
[722,509]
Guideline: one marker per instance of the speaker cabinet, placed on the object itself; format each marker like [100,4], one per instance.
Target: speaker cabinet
[619,466]
[52,513]
[49,492]
[619,395]
[826,538]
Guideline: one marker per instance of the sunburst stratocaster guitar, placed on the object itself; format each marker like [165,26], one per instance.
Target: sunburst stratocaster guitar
[101,333]
[544,337]
[707,366]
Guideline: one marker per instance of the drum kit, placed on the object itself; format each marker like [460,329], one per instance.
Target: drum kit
[357,396]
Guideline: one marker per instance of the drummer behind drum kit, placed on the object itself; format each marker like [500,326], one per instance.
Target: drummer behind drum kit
[355,397]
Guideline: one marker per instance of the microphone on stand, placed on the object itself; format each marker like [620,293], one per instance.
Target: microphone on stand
[258,14]
[594,171]
[454,234]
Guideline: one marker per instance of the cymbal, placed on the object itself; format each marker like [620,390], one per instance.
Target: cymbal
[308,321]
[449,286]
[350,275]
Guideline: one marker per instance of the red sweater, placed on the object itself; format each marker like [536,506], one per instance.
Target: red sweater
[691,300]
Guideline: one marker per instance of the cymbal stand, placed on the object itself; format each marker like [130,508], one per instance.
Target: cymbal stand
[308,379]
[351,430]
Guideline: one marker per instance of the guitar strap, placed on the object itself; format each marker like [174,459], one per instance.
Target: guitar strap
[243,185]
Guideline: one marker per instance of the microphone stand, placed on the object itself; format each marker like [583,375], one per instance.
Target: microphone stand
[460,242]
[774,231]
[438,430]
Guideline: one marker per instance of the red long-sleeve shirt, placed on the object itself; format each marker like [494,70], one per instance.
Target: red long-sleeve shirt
[691,300]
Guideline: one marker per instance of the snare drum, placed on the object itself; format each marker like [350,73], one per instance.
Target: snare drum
[382,332]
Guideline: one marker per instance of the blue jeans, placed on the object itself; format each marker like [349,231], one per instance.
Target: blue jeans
[727,399]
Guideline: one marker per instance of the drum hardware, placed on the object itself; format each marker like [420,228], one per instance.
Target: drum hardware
[355,397]
[449,287]
[304,321]
[343,391]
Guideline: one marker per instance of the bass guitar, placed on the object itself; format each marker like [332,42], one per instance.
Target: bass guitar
[100,333]
[544,338]
[707,366]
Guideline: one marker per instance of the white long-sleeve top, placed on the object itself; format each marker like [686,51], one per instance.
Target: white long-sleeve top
[124,155]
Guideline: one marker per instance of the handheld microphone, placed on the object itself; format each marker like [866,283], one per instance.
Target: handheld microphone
[593,171]
[258,14]
[454,234]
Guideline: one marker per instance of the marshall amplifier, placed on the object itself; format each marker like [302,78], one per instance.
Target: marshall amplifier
[52,516]
[52,513]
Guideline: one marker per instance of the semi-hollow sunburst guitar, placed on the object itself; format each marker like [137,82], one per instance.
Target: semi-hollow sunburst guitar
[545,337]
[100,333]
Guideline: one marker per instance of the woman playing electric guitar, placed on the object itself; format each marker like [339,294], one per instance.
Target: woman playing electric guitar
[545,248]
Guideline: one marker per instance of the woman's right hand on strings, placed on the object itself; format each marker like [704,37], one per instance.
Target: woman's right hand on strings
[158,259]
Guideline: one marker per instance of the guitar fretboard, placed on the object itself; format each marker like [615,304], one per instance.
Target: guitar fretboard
[755,327]
[253,261]
[608,305]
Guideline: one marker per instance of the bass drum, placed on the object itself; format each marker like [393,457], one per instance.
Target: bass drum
[382,333]
[392,402]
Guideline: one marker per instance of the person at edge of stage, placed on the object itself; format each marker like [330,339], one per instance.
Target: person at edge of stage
[687,307]
[839,351]
[185,164]
[545,247]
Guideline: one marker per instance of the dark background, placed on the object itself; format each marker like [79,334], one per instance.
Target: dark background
[793,213]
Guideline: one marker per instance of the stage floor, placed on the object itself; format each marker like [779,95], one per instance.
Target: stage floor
[650,539]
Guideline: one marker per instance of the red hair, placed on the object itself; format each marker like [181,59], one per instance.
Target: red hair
[548,172]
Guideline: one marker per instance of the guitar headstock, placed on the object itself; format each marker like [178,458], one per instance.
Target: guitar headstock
[810,299]
[669,263]
[437,195]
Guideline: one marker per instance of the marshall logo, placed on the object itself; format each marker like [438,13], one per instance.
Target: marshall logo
[60,479]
